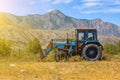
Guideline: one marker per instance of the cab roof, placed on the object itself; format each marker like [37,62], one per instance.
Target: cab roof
[85,29]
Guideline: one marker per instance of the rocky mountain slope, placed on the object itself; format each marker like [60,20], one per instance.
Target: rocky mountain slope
[20,29]
[56,20]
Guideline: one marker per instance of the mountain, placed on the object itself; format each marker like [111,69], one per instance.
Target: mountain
[54,24]
[56,20]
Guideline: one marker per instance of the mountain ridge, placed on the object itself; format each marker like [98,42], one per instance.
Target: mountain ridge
[56,20]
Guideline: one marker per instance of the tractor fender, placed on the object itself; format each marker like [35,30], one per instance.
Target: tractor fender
[97,43]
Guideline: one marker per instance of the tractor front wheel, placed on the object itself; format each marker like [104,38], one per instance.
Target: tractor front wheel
[91,52]
[60,56]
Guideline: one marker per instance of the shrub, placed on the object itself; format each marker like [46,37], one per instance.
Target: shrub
[118,47]
[33,46]
[110,48]
[5,47]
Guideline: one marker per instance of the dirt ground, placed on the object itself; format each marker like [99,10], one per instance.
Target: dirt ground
[83,70]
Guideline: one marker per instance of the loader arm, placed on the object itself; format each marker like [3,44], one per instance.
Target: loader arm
[51,45]
[48,48]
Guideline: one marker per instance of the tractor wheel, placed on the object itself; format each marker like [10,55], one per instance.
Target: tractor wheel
[60,56]
[91,52]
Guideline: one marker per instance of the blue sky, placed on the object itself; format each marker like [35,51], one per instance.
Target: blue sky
[107,10]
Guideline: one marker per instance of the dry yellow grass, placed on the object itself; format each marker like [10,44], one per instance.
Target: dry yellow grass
[99,70]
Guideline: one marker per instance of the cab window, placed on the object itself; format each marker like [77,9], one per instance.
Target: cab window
[81,36]
[91,36]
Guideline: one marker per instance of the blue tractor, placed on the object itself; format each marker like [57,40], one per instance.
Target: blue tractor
[85,44]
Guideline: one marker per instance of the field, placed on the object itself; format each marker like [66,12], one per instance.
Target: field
[16,69]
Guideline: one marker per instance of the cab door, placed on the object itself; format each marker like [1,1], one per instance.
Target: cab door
[80,40]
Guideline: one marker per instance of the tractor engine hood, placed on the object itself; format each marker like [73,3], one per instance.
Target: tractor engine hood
[62,44]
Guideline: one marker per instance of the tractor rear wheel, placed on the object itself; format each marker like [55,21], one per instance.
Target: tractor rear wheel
[60,56]
[91,52]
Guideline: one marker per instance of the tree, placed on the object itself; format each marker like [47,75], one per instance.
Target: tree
[33,46]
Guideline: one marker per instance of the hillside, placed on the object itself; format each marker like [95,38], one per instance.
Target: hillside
[20,35]
[56,20]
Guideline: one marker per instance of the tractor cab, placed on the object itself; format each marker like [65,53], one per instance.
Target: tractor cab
[84,35]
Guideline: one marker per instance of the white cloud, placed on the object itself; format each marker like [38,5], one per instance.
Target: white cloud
[61,1]
[111,10]
[117,2]
[50,10]
[98,6]
[114,10]
[92,4]
[90,0]
[39,2]
[32,3]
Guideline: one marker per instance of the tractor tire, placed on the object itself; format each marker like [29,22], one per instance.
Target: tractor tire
[60,56]
[91,52]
